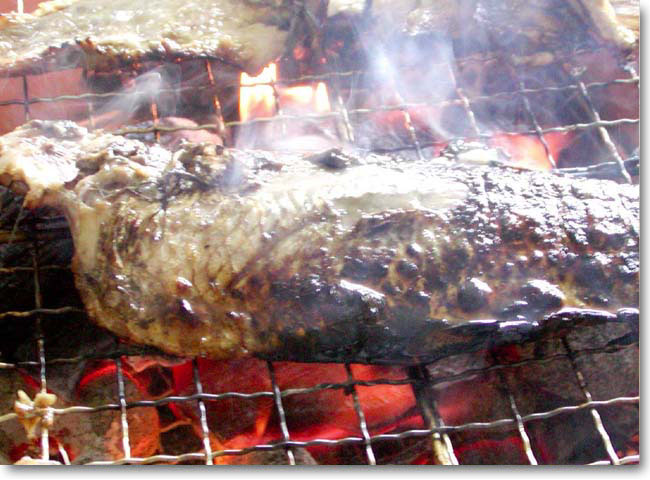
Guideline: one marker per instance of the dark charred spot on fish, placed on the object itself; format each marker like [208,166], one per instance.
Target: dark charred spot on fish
[126,236]
[270,165]
[607,235]
[255,282]
[600,300]
[178,182]
[362,269]
[310,289]
[144,323]
[515,309]
[507,269]
[455,258]
[282,291]
[390,289]
[237,294]
[536,235]
[555,257]
[414,250]
[570,258]
[629,266]
[186,313]
[342,314]
[331,159]
[432,279]
[590,273]
[377,225]
[511,228]
[49,148]
[305,290]
[91,281]
[407,269]
[542,294]
[417,297]
[298,342]
[473,295]
[193,157]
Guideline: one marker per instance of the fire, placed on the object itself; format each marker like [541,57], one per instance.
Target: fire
[257,98]
[529,152]
[306,98]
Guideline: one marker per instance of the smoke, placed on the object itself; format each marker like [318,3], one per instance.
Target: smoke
[415,71]
[134,102]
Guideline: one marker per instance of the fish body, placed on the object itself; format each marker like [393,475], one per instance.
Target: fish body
[105,35]
[227,253]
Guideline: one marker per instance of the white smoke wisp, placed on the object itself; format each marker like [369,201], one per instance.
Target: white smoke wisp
[409,74]
[158,86]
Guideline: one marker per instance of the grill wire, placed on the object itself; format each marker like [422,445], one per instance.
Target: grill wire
[423,379]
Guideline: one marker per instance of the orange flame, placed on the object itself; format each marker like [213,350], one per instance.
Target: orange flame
[528,151]
[257,98]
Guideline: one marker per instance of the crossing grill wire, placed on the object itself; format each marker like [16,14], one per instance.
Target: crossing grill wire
[556,400]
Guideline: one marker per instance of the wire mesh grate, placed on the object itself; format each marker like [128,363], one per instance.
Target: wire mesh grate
[441,440]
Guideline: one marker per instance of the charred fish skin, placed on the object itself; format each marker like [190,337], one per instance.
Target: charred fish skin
[225,253]
[410,285]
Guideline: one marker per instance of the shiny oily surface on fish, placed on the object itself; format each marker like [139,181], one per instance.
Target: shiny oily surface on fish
[105,34]
[224,253]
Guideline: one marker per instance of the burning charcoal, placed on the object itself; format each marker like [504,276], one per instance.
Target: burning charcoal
[180,439]
[322,412]
[84,436]
[99,387]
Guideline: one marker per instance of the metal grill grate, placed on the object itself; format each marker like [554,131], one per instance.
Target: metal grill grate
[439,440]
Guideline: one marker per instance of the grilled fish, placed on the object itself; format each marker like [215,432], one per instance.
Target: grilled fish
[329,257]
[63,34]
[531,31]
[105,35]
